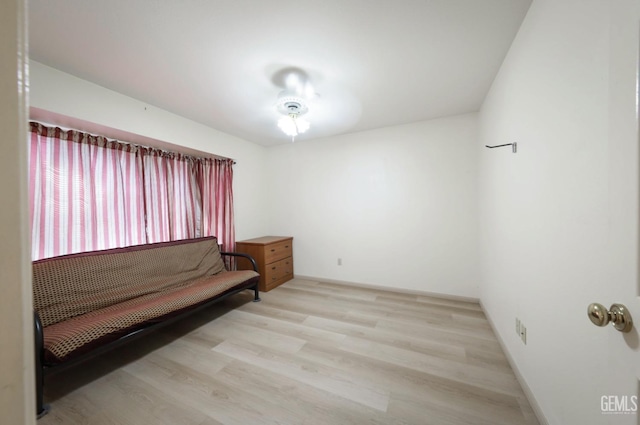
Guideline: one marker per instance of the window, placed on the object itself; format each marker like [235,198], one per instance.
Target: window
[89,193]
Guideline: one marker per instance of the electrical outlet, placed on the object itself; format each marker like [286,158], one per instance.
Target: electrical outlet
[521,330]
[339,261]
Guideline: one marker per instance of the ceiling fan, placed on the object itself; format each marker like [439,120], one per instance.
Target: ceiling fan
[293,100]
[299,106]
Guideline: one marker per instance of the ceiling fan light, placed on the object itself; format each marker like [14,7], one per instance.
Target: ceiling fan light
[288,125]
[292,108]
[302,125]
[291,125]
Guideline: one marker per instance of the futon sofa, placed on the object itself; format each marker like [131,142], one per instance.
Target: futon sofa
[87,303]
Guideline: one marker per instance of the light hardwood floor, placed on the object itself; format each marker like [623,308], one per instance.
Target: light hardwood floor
[309,353]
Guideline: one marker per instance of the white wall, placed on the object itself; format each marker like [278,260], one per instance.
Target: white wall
[87,103]
[397,204]
[549,211]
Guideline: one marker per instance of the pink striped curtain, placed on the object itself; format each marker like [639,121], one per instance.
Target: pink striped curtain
[172,197]
[88,193]
[85,191]
[215,179]
[156,197]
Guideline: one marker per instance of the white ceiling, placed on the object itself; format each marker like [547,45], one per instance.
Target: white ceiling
[374,63]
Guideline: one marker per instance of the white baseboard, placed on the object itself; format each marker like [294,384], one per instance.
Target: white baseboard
[392,289]
[523,383]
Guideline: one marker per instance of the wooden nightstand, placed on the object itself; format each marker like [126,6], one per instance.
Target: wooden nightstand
[274,255]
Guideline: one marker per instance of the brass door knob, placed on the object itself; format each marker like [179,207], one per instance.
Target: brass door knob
[618,315]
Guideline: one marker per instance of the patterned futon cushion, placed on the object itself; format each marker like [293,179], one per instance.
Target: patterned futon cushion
[81,334]
[73,285]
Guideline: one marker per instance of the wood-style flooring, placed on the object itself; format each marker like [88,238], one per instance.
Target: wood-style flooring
[309,353]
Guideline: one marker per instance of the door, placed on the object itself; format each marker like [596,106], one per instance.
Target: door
[17,404]
[619,398]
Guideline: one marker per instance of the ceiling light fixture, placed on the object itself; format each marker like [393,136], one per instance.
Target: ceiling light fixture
[293,108]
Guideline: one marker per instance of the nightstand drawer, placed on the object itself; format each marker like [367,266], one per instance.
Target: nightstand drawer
[277,251]
[278,270]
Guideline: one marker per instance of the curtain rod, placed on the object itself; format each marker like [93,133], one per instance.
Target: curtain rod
[138,145]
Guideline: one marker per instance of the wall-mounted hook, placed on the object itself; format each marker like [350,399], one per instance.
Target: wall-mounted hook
[514,146]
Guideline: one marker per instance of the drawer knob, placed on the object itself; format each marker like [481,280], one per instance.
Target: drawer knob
[286,246]
[273,250]
[273,268]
